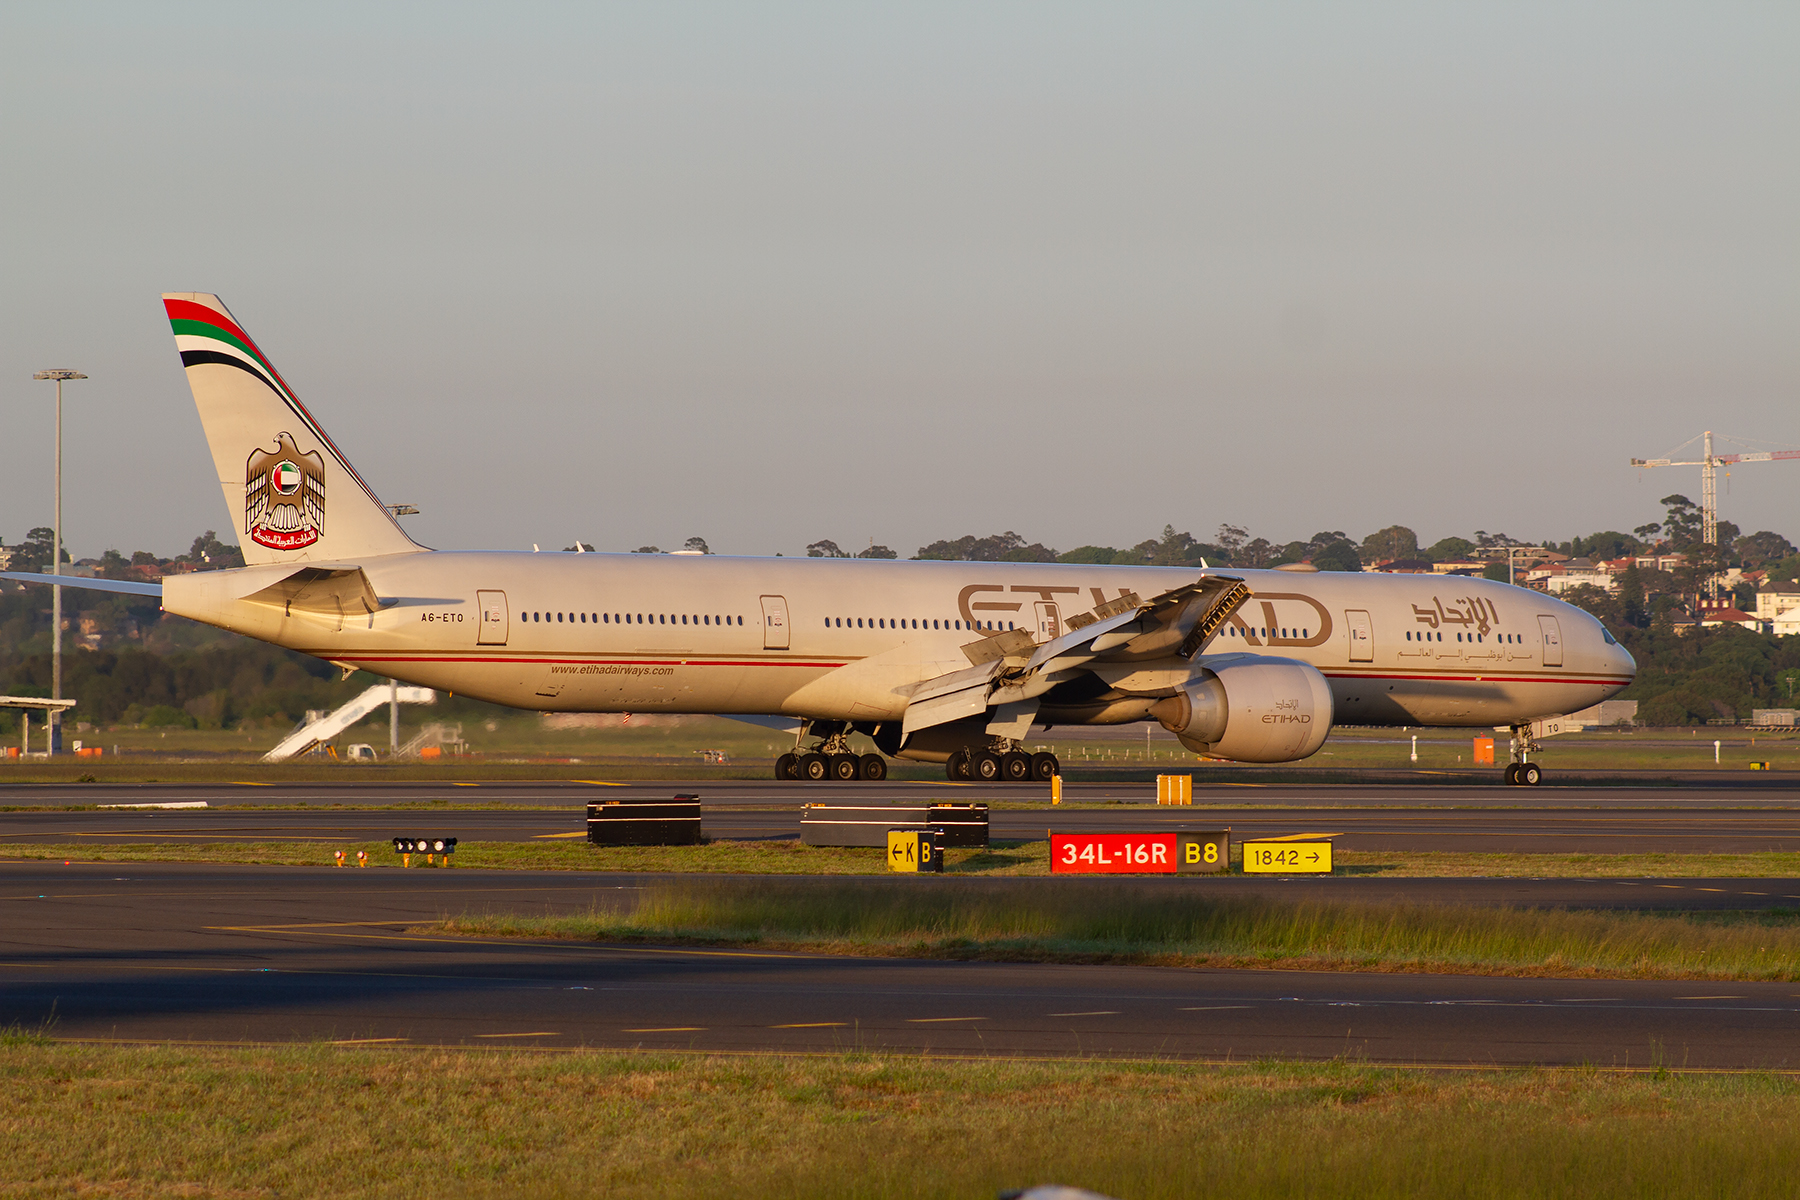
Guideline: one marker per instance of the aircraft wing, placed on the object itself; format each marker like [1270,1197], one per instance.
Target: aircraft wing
[1011,672]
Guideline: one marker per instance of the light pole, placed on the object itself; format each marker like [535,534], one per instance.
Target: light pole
[58,374]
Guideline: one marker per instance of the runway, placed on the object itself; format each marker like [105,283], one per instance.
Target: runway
[1723,825]
[231,954]
[1775,791]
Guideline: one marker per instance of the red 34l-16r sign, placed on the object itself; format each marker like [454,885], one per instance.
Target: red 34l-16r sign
[1179,853]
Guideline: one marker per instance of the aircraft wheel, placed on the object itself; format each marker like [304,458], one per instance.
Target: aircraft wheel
[1044,767]
[784,767]
[1015,768]
[1530,774]
[814,768]
[844,767]
[957,767]
[984,765]
[872,767]
[1512,774]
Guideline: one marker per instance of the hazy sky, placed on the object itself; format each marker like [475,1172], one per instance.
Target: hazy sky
[768,273]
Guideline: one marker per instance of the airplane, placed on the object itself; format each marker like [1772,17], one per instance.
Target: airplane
[942,662]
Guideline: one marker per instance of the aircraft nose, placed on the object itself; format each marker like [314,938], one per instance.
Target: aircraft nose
[1622,660]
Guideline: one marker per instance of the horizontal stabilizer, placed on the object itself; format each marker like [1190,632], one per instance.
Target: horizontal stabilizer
[93,585]
[330,589]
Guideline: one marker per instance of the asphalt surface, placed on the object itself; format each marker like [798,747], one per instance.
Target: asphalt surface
[1584,821]
[232,954]
[1743,791]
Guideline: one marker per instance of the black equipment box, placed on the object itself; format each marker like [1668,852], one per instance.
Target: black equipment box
[836,825]
[645,822]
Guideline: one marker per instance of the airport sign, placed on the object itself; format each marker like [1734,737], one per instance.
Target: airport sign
[1184,853]
[1287,858]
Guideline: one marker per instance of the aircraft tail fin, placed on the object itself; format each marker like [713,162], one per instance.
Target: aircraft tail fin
[290,490]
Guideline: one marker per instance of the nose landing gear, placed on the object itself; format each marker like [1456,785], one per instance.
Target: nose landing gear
[1521,771]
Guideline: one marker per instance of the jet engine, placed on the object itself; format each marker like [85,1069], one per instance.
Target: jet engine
[1249,708]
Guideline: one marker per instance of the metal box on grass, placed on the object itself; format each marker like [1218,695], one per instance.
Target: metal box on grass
[845,825]
[645,822]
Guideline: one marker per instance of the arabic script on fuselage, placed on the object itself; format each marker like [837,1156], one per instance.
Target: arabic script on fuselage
[1472,612]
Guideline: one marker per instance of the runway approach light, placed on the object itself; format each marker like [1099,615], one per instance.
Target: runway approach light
[429,847]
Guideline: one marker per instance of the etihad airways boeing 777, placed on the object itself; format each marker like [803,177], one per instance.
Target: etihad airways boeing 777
[950,662]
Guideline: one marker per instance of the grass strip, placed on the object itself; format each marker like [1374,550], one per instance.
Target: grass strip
[574,854]
[1002,859]
[1101,922]
[357,1123]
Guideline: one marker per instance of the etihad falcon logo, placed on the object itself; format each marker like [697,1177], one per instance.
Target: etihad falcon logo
[284,496]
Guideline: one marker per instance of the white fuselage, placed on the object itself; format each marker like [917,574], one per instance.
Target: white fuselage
[848,639]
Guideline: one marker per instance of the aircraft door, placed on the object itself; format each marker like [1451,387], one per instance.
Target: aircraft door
[1049,621]
[491,630]
[1362,635]
[775,623]
[1552,640]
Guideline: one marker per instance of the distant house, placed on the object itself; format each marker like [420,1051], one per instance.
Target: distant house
[1774,599]
[1787,624]
[1578,572]
[1459,566]
[1728,614]
[1406,566]
[6,557]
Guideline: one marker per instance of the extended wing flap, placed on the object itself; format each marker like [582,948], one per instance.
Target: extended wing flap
[950,697]
[1123,630]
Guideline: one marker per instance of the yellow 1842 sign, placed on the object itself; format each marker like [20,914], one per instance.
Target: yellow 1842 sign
[1287,858]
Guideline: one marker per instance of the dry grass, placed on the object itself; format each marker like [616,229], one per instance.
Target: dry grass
[1097,922]
[313,1121]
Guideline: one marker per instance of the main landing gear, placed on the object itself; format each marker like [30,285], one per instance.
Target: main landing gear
[1003,762]
[1521,771]
[830,759]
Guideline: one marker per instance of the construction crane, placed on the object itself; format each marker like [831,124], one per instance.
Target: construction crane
[1709,464]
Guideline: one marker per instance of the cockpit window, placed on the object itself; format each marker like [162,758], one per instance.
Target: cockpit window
[1607,634]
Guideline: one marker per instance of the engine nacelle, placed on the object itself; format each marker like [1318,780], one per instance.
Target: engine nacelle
[1249,708]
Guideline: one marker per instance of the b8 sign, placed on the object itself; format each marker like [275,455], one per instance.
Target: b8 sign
[1139,853]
